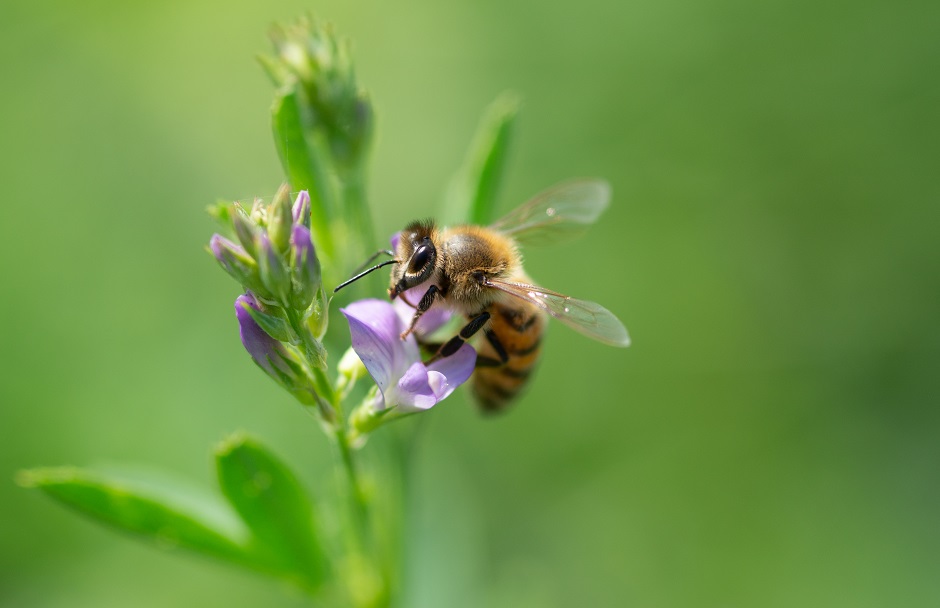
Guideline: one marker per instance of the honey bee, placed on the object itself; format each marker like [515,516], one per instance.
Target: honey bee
[477,272]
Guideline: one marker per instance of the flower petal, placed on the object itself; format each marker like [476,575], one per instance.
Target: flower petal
[420,388]
[395,365]
[414,391]
[375,331]
[450,372]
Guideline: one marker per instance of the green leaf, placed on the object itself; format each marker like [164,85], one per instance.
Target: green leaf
[164,511]
[472,195]
[275,507]
[305,163]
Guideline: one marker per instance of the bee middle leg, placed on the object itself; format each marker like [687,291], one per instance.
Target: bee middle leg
[454,344]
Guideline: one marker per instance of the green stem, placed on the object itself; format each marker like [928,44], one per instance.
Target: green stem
[360,503]
[360,539]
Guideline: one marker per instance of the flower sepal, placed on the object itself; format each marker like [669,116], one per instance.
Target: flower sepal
[317,316]
[272,323]
[273,270]
[280,219]
[366,418]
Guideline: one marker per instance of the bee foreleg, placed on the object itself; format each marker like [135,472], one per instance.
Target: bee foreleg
[454,344]
[426,301]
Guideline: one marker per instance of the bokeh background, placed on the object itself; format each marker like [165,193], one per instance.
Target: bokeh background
[770,439]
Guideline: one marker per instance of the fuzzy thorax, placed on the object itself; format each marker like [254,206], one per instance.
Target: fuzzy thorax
[470,255]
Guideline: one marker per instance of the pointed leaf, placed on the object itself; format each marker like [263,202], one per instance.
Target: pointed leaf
[273,504]
[167,512]
[472,195]
[303,163]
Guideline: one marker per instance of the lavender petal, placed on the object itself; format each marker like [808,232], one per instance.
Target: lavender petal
[452,371]
[375,329]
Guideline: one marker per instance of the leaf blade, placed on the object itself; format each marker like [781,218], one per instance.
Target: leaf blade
[144,512]
[472,195]
[302,162]
[274,506]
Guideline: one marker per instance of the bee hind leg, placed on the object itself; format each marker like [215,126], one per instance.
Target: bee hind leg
[454,344]
[493,339]
[484,361]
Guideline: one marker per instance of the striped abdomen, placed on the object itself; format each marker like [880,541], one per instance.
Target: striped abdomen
[513,334]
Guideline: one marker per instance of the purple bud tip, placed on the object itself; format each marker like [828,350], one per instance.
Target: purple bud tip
[224,249]
[301,210]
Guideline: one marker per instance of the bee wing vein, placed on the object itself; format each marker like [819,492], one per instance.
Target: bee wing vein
[557,214]
[588,318]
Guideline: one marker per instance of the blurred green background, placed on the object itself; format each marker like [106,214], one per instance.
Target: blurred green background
[770,439]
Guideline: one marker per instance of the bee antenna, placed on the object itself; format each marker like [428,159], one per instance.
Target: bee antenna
[364,273]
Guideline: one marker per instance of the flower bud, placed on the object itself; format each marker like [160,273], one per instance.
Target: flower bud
[366,418]
[310,57]
[238,264]
[244,230]
[273,271]
[280,219]
[319,319]
[301,209]
[277,360]
[350,366]
[259,214]
[305,268]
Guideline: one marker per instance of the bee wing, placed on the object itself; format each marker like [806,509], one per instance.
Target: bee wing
[588,318]
[557,214]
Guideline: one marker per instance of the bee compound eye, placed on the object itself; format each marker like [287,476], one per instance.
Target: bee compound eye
[420,259]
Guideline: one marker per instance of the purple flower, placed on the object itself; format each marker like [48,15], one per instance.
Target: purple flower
[273,357]
[395,364]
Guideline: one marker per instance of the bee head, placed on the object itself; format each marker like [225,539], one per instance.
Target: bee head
[418,257]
